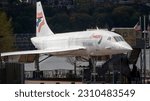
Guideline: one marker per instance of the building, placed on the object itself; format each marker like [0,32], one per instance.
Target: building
[126,1]
[109,2]
[28,1]
[23,41]
[61,3]
[52,3]
[72,3]
[3,3]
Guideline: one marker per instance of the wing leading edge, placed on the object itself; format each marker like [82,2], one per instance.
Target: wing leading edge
[46,51]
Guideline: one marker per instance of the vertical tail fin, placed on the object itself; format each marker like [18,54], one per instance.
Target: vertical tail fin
[42,29]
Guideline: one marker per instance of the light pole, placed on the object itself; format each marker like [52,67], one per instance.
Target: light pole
[0,60]
[144,55]
[0,54]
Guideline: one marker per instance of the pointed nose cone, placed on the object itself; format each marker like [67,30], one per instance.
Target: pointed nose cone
[126,47]
[130,48]
[123,47]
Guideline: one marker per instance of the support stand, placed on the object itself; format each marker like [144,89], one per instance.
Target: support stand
[0,61]
[37,63]
[37,73]
[37,67]
[92,64]
[75,67]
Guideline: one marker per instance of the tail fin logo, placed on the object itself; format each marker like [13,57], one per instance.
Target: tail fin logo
[40,21]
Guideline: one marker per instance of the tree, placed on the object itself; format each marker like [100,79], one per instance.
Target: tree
[103,20]
[122,16]
[13,1]
[81,21]
[24,24]
[60,23]
[6,30]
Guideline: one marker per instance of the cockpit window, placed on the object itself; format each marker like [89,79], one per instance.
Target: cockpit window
[109,38]
[122,38]
[118,38]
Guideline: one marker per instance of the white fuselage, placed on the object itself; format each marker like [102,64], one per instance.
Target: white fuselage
[96,42]
[82,43]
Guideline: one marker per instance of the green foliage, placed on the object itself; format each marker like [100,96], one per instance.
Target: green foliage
[122,15]
[103,20]
[23,18]
[60,22]
[13,1]
[6,40]
[81,21]
[78,18]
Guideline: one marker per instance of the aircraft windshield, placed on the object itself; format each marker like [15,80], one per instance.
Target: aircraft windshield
[109,38]
[118,38]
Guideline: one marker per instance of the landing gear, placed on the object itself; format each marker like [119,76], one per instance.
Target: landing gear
[37,73]
[37,67]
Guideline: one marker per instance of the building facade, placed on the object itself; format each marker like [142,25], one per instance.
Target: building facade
[23,41]
[52,3]
[61,3]
[70,3]
[3,2]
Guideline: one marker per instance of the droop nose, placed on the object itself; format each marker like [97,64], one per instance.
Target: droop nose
[129,48]
[125,47]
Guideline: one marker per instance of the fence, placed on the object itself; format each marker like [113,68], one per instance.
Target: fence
[12,73]
[52,74]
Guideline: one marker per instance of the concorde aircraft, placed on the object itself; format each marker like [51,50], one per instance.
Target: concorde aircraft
[81,43]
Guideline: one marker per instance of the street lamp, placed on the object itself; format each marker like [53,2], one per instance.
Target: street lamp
[0,54]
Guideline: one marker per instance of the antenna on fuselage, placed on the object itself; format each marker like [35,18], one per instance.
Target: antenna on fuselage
[97,28]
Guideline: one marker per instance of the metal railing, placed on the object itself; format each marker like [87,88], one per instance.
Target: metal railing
[51,74]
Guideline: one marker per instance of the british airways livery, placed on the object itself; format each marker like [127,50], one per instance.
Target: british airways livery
[81,43]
